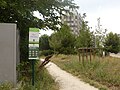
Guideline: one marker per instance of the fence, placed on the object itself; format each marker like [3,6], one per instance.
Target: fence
[89,53]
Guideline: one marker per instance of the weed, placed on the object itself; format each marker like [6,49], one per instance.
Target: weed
[106,70]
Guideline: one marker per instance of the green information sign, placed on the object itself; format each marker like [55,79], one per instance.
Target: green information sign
[33,43]
[33,48]
[33,52]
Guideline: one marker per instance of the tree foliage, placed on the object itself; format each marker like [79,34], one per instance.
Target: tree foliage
[67,40]
[85,38]
[63,40]
[55,42]
[100,34]
[21,13]
[18,10]
[112,43]
[44,42]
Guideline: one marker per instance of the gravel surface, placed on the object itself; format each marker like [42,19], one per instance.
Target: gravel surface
[65,80]
[115,55]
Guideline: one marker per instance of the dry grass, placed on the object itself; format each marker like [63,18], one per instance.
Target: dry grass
[105,71]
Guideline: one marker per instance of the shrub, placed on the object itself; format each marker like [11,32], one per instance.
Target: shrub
[46,52]
[6,86]
[105,70]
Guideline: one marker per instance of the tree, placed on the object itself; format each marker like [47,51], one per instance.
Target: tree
[85,38]
[55,41]
[100,34]
[21,13]
[67,40]
[63,40]
[112,43]
[44,42]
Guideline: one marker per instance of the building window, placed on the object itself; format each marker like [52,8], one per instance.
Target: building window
[75,17]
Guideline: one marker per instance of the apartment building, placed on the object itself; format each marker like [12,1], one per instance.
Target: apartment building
[74,20]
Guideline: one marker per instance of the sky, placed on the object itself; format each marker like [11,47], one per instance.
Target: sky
[107,10]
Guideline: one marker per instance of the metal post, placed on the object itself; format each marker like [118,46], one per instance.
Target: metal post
[79,55]
[94,50]
[86,54]
[83,55]
[33,74]
[90,55]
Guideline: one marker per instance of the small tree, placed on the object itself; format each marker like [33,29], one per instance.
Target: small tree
[67,40]
[112,43]
[85,38]
[100,34]
[55,42]
[44,42]
[63,40]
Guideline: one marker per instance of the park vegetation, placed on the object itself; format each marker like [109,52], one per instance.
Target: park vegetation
[98,72]
[112,43]
[62,41]
[65,42]
[43,81]
[21,12]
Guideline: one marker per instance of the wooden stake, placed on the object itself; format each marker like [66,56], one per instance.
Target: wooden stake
[86,54]
[83,55]
[90,55]
[79,56]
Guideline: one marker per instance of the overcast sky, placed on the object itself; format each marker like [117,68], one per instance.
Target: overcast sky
[107,10]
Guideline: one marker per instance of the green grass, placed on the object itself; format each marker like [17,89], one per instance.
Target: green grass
[103,73]
[43,81]
[6,86]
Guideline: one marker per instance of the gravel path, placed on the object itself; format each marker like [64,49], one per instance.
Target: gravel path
[65,80]
[115,55]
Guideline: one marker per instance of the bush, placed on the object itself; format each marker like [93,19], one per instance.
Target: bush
[96,70]
[112,43]
[43,80]
[67,50]
[6,86]
[46,52]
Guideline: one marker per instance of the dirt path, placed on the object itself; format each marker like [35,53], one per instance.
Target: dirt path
[65,80]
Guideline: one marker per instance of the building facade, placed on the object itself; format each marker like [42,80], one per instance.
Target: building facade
[73,20]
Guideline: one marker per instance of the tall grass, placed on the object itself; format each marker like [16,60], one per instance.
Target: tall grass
[43,81]
[6,86]
[106,70]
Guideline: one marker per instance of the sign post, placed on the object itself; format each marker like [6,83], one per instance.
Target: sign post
[33,48]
